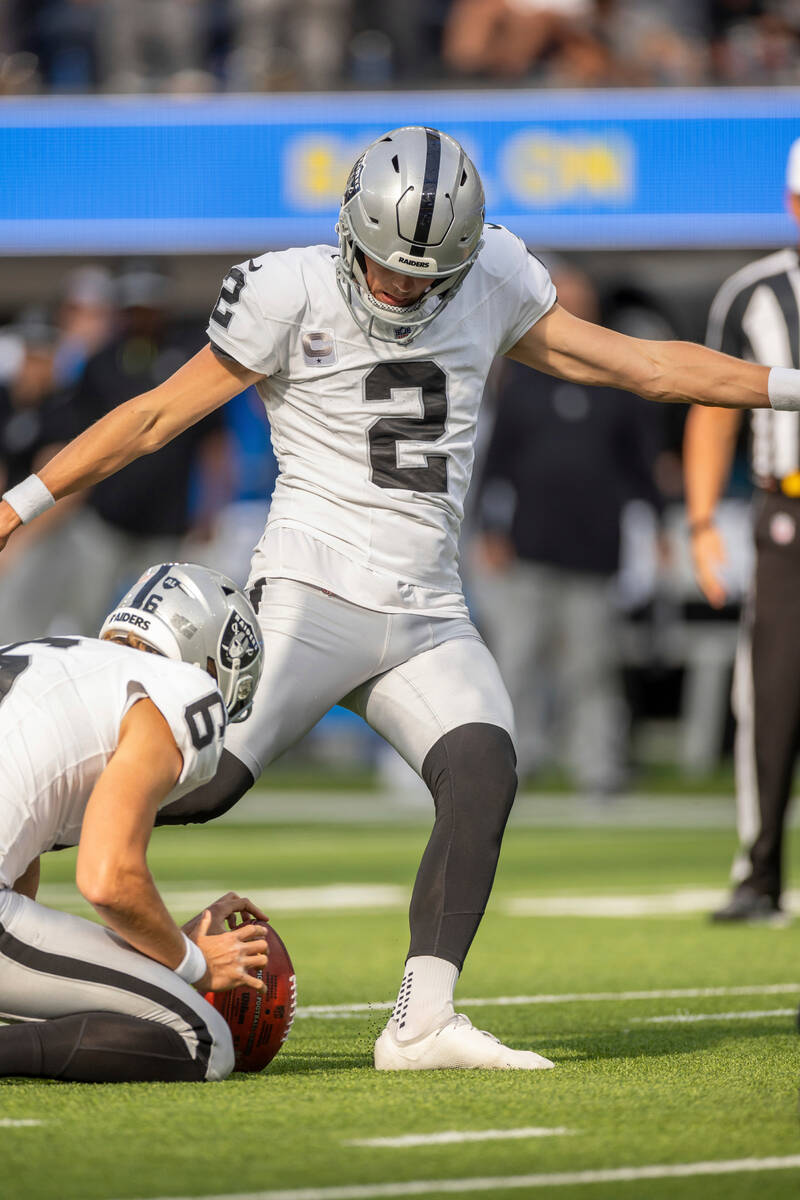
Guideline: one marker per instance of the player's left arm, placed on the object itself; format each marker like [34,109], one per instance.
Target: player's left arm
[672,372]
[112,871]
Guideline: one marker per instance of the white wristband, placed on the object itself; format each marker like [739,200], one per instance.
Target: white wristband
[783,389]
[29,499]
[193,965]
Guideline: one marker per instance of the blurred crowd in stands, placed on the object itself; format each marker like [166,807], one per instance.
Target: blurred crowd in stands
[196,46]
[107,340]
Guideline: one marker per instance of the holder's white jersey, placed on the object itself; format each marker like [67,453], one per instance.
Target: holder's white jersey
[61,703]
[374,440]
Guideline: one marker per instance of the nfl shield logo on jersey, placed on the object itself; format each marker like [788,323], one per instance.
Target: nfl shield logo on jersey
[319,347]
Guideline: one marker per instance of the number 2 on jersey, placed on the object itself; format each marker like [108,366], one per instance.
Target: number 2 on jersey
[387,434]
[228,296]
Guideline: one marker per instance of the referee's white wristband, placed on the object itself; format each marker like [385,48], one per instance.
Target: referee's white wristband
[193,965]
[783,389]
[29,499]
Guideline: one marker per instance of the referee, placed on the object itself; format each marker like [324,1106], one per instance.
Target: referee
[756,315]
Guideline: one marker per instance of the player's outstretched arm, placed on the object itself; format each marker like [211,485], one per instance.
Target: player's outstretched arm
[112,871]
[140,426]
[672,372]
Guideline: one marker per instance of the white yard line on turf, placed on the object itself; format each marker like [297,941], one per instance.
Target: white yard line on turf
[536,809]
[453,1135]
[650,904]
[763,989]
[426,1187]
[688,1018]
[330,896]
[9,1123]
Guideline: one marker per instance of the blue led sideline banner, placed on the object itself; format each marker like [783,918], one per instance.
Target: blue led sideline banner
[697,168]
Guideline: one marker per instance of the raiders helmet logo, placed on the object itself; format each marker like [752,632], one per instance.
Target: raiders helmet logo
[239,642]
[353,184]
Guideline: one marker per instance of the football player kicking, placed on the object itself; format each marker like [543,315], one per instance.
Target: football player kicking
[371,359]
[96,737]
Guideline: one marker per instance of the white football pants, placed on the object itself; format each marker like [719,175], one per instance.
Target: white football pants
[411,677]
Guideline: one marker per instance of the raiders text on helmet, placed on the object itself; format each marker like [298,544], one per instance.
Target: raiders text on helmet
[413,203]
[196,615]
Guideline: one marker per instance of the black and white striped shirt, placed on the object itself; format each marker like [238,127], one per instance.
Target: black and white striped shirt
[756,315]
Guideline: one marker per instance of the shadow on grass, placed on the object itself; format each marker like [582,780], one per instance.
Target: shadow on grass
[658,1042]
[305,1064]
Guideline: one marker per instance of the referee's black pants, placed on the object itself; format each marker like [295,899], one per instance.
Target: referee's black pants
[775,616]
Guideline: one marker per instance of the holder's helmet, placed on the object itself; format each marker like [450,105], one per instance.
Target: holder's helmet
[196,615]
[413,203]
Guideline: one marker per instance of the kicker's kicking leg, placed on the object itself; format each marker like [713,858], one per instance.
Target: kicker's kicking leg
[214,798]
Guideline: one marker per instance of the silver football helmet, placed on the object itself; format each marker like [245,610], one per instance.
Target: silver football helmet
[413,203]
[196,615]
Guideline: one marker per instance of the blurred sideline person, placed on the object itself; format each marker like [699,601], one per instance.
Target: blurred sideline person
[86,319]
[371,358]
[141,515]
[97,736]
[34,415]
[756,313]
[562,462]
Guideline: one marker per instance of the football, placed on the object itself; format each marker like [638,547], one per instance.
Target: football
[260,1021]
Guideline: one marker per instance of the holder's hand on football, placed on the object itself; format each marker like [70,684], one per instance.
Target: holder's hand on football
[223,915]
[231,955]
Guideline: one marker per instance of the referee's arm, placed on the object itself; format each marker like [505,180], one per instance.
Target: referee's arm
[709,444]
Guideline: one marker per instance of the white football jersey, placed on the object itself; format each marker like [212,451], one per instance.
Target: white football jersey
[61,703]
[374,440]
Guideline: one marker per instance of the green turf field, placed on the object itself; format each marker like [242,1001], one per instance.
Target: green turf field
[636,1084]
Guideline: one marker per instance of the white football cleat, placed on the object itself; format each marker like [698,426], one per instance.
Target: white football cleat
[457,1044]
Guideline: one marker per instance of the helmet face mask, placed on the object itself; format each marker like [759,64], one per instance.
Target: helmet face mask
[413,204]
[196,615]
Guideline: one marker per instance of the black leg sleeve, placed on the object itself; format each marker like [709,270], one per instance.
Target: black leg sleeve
[213,799]
[471,773]
[97,1047]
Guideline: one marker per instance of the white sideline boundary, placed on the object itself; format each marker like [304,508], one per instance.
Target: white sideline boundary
[11,1123]
[680,902]
[356,1010]
[333,1012]
[554,810]
[451,1137]
[690,1018]
[427,1187]
[325,898]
